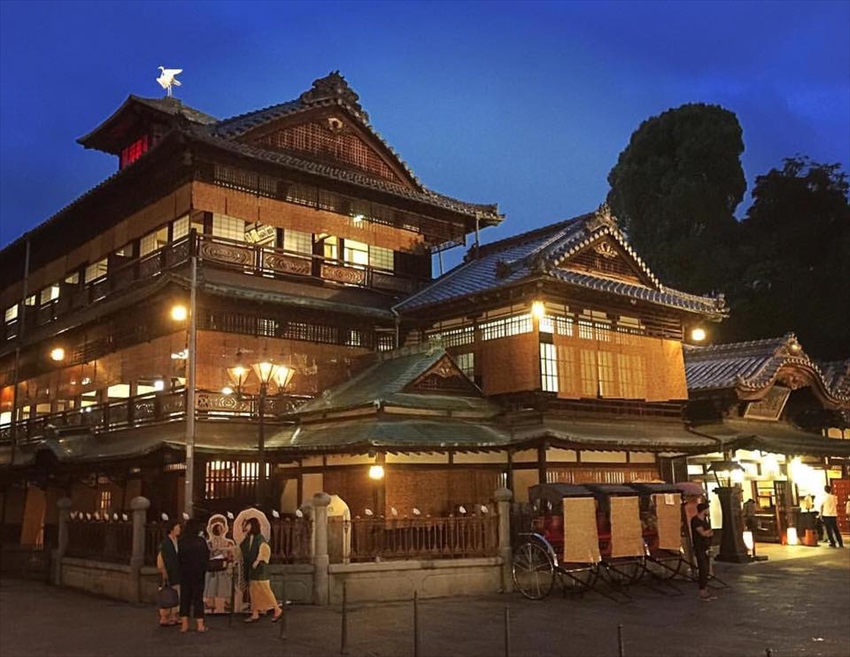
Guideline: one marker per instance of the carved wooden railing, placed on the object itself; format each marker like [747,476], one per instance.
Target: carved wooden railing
[449,537]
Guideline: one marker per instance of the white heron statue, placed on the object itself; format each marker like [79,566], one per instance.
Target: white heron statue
[167,78]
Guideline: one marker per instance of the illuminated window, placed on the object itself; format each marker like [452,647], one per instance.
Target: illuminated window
[228,227]
[502,328]
[104,502]
[330,247]
[355,253]
[607,385]
[95,270]
[589,373]
[49,293]
[298,241]
[153,241]
[631,369]
[11,313]
[134,151]
[548,367]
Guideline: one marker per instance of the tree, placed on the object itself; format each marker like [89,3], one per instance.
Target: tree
[675,188]
[793,270]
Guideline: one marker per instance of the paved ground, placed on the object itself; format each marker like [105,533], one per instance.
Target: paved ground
[797,603]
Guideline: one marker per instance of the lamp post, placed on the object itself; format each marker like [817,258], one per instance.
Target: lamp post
[266,372]
[180,313]
[732,547]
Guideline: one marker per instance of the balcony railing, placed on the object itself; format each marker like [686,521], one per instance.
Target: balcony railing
[144,410]
[218,253]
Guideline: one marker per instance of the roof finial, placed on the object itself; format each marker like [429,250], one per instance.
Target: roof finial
[333,88]
[167,78]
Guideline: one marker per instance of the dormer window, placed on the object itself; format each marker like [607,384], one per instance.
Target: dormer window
[134,151]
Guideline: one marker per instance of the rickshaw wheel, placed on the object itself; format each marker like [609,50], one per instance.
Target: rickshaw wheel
[533,570]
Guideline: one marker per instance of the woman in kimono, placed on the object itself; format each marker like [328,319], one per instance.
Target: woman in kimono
[255,559]
[219,584]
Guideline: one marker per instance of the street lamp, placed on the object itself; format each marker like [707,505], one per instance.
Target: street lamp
[266,372]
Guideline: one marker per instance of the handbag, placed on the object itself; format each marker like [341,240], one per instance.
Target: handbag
[167,597]
[216,565]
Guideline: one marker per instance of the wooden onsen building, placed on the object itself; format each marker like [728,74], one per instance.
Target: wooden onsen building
[779,418]
[295,233]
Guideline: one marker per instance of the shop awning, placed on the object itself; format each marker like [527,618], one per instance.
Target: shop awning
[774,437]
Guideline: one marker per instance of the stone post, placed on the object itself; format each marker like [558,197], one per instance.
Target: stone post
[320,553]
[64,506]
[140,506]
[503,500]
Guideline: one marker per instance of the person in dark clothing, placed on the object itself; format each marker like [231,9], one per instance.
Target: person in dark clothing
[194,554]
[701,535]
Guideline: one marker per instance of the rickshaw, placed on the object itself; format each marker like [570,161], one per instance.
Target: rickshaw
[563,544]
[662,518]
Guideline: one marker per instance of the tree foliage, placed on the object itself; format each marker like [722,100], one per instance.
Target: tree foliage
[675,189]
[793,264]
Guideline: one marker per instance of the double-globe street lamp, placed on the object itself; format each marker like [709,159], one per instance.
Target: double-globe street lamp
[266,372]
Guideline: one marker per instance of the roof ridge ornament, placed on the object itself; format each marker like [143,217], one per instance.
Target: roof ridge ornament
[168,79]
[602,218]
[334,88]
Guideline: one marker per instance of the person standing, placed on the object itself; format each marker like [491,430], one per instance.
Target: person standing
[169,568]
[194,555]
[701,535]
[829,515]
[255,560]
[218,590]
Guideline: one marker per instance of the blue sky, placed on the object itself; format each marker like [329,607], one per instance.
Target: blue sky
[524,104]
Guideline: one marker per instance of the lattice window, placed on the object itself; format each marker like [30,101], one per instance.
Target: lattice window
[502,328]
[607,383]
[49,293]
[548,367]
[381,258]
[317,140]
[104,501]
[386,342]
[298,241]
[631,370]
[133,152]
[456,337]
[228,227]
[180,228]
[589,373]
[466,363]
[231,479]
[95,270]
[153,241]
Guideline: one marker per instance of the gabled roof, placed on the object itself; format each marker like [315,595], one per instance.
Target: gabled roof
[546,253]
[751,368]
[396,380]
[233,134]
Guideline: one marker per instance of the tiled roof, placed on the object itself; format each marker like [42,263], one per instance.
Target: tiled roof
[773,437]
[754,365]
[174,107]
[385,381]
[537,254]
[427,197]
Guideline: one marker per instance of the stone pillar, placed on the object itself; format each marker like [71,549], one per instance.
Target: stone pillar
[64,506]
[320,553]
[503,500]
[140,506]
